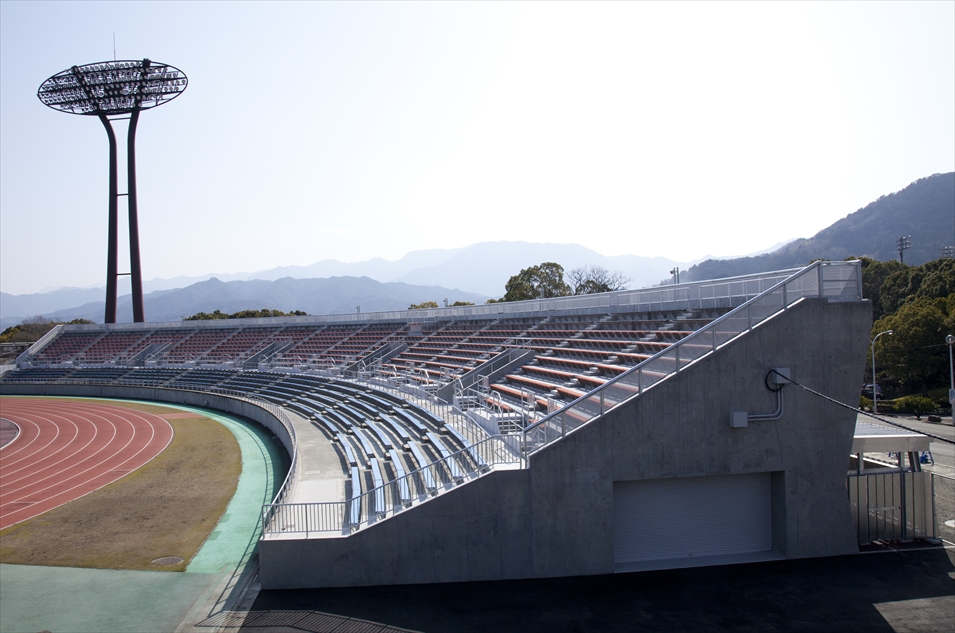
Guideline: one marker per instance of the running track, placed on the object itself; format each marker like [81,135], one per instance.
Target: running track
[66,449]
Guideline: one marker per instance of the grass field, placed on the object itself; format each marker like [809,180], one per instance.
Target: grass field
[166,508]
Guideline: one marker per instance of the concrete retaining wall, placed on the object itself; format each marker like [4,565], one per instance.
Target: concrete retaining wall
[556,518]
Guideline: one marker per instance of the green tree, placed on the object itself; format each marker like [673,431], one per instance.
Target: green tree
[874,274]
[544,280]
[935,279]
[462,303]
[244,314]
[32,328]
[915,354]
[423,305]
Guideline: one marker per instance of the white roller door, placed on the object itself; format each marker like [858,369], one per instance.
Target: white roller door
[699,516]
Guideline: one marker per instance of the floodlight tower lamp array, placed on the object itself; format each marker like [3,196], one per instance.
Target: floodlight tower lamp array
[112,89]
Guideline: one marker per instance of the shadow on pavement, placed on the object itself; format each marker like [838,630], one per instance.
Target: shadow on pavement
[908,590]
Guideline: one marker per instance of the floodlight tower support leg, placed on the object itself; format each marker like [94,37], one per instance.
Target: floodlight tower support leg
[136,273]
[112,240]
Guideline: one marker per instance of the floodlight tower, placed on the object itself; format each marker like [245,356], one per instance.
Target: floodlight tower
[114,89]
[904,243]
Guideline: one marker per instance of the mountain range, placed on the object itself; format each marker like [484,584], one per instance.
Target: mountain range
[427,275]
[925,211]
[333,295]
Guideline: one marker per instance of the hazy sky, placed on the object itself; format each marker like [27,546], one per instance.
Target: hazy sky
[355,130]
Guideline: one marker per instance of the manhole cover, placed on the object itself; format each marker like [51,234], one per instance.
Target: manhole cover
[167,560]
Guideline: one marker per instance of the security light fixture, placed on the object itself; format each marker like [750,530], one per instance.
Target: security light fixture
[114,89]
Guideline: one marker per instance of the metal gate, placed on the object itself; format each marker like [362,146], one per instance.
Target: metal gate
[892,506]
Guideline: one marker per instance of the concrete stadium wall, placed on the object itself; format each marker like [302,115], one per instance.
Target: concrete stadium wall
[156,394]
[556,518]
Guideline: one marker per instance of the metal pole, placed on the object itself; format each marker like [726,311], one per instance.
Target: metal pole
[951,373]
[136,272]
[875,397]
[112,238]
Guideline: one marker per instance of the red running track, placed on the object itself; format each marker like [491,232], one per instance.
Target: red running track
[66,449]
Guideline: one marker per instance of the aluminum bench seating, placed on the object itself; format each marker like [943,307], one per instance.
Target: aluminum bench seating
[271,398]
[451,463]
[354,511]
[304,409]
[404,490]
[356,415]
[325,424]
[465,444]
[422,461]
[378,482]
[345,423]
[411,419]
[383,437]
[366,408]
[366,446]
[381,404]
[38,373]
[398,428]
[346,446]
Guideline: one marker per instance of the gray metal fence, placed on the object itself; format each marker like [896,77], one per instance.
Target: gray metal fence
[892,506]
[943,496]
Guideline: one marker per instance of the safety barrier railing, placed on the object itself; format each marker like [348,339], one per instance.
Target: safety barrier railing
[37,347]
[835,280]
[718,293]
[889,506]
[371,506]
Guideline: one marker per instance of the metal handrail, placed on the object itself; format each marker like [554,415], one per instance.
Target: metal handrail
[712,329]
[646,299]
[394,496]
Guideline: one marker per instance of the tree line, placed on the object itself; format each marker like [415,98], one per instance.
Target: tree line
[918,304]
[33,328]
[547,280]
[243,314]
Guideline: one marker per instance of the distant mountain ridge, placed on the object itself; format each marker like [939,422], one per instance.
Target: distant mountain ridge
[334,295]
[480,269]
[925,210]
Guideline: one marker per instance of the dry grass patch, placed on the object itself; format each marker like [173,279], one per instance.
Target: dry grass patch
[157,409]
[166,508]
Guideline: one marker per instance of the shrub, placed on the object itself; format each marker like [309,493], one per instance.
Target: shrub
[917,405]
[865,403]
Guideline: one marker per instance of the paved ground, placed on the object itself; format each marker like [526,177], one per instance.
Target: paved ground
[910,590]
[94,600]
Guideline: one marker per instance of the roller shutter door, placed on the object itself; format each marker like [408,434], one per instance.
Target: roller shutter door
[699,516]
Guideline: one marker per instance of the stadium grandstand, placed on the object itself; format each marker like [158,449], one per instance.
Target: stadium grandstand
[629,430]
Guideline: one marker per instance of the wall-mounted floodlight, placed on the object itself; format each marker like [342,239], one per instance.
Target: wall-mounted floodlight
[114,89]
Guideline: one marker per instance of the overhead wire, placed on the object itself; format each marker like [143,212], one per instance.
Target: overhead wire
[857,410]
